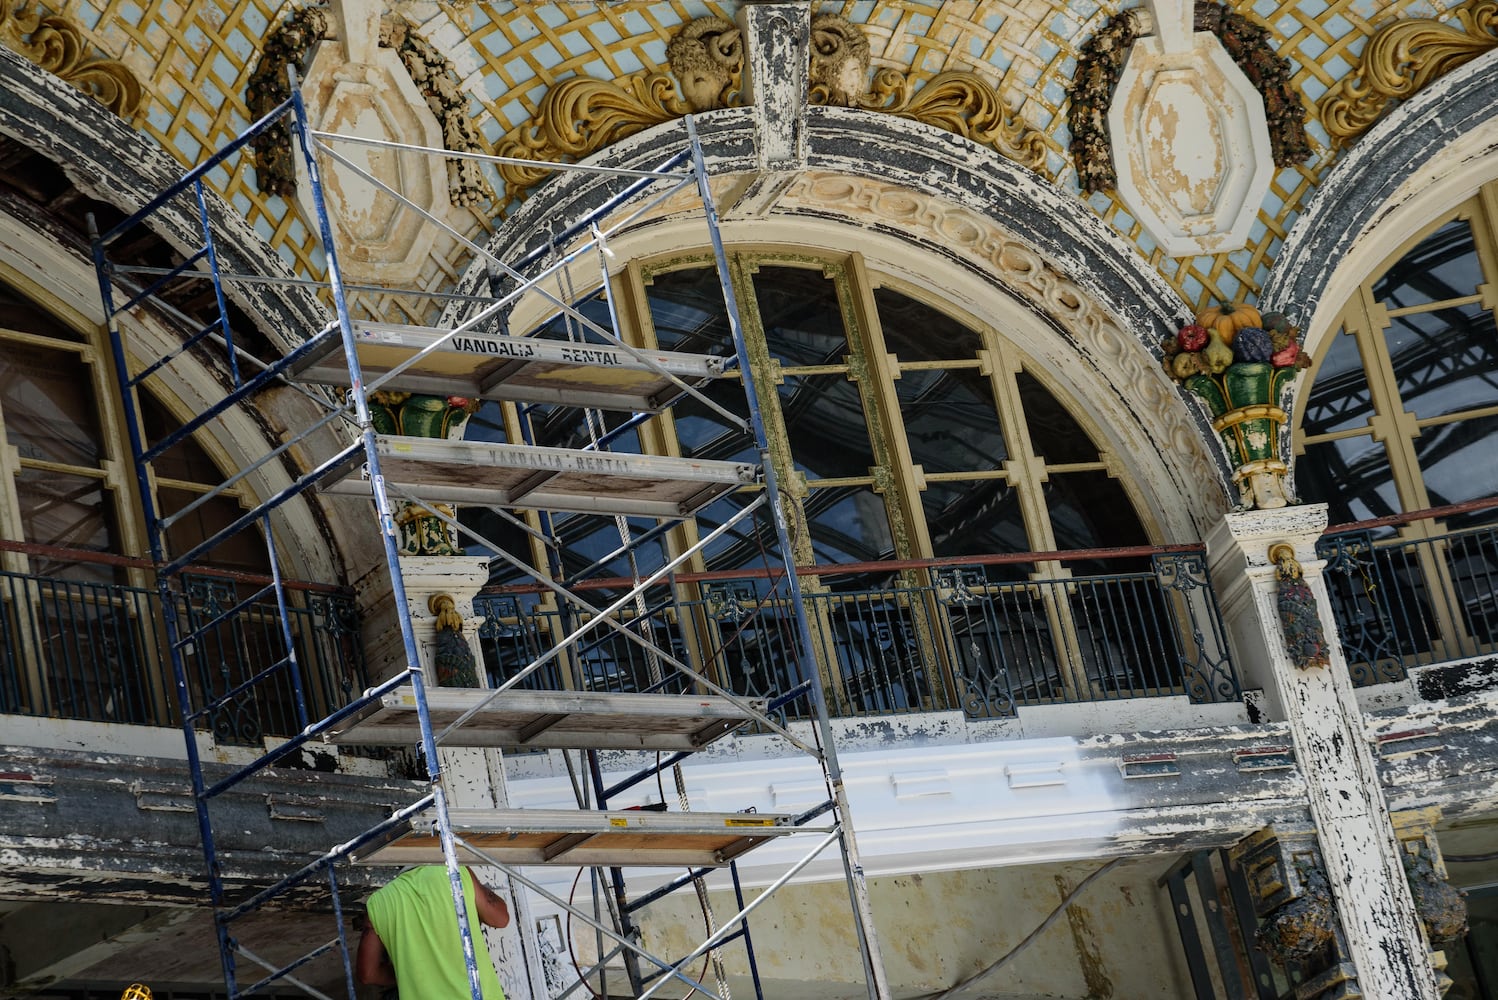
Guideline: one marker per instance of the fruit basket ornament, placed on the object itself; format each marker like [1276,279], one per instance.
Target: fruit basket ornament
[1239,360]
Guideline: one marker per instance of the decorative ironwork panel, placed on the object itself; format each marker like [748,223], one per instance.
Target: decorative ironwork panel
[79,650]
[329,649]
[872,640]
[753,644]
[1372,641]
[1472,565]
[511,637]
[1190,625]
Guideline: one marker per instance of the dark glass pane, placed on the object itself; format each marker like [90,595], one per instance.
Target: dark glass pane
[686,309]
[572,427]
[1443,266]
[186,460]
[799,311]
[974,518]
[824,421]
[1054,433]
[848,524]
[1459,460]
[950,420]
[1091,510]
[913,331]
[1339,397]
[488,424]
[50,411]
[244,550]
[498,531]
[590,545]
[705,433]
[746,545]
[1446,361]
[17,312]
[74,512]
[1351,476]
[564,326]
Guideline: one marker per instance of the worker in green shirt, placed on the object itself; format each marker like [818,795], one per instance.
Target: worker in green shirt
[413,943]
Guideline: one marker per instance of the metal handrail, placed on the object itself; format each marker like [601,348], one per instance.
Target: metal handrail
[957,640]
[79,647]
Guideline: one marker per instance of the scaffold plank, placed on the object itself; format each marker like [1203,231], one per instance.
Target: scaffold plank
[537,478]
[621,838]
[521,369]
[573,720]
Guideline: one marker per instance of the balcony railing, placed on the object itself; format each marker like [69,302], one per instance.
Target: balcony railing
[949,638]
[78,645]
[952,635]
[1403,602]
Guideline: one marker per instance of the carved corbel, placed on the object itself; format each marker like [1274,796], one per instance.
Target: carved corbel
[452,660]
[1300,621]
[1297,916]
[1442,907]
[581,115]
[954,101]
[839,61]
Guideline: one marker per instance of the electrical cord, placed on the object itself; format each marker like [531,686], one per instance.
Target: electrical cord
[1009,955]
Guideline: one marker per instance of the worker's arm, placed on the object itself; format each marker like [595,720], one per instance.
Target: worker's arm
[492,909]
[372,966]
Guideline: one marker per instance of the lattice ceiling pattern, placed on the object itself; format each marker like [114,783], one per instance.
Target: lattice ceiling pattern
[194,57]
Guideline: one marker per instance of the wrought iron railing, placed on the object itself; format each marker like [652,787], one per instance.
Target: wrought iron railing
[78,646]
[949,637]
[1406,602]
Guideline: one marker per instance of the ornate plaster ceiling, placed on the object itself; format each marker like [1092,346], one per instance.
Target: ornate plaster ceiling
[193,59]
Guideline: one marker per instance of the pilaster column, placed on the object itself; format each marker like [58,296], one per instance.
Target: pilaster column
[777,56]
[474,778]
[1358,844]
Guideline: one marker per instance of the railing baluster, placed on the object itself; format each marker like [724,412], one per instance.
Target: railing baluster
[996,645]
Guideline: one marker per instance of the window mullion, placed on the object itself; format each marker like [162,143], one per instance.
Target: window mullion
[767,374]
[896,478]
[1391,425]
[1025,469]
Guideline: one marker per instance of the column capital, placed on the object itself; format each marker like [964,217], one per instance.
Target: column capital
[427,576]
[1248,534]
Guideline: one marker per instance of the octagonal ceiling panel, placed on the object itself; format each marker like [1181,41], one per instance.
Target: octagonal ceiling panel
[380,237]
[1191,146]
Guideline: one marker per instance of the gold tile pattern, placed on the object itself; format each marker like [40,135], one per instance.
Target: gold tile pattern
[194,57]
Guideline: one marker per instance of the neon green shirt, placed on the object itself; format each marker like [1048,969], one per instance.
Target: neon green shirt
[414,917]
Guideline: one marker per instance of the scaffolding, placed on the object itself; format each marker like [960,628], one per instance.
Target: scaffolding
[470,352]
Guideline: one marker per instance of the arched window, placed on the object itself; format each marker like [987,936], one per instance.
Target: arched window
[79,626]
[900,433]
[1401,416]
